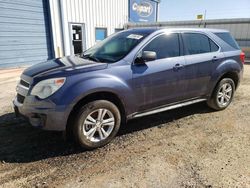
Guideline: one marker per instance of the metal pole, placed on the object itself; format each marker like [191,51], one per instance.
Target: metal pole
[205,14]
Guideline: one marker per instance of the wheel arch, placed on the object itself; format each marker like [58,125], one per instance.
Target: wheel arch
[102,95]
[229,74]
[233,75]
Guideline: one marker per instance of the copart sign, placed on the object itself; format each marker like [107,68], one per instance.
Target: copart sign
[142,11]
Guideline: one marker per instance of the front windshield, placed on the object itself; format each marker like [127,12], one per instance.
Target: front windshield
[115,47]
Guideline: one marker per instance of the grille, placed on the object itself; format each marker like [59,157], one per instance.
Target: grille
[20,98]
[24,83]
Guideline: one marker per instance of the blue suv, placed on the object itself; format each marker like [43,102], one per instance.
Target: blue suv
[130,74]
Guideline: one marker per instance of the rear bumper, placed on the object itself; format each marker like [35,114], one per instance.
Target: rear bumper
[42,113]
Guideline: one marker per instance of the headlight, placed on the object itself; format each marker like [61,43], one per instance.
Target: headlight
[45,88]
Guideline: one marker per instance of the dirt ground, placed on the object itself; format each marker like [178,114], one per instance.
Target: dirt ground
[187,147]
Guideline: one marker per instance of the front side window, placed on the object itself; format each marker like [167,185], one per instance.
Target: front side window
[196,43]
[165,46]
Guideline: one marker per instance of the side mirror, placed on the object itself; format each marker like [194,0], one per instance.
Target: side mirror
[146,56]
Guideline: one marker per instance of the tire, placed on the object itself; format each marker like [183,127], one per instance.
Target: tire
[223,94]
[96,124]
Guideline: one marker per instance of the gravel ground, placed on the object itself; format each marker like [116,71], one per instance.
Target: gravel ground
[188,147]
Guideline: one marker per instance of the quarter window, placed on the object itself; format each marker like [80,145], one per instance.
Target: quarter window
[226,37]
[166,45]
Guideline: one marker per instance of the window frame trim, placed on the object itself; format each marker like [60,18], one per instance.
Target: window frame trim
[181,45]
[186,53]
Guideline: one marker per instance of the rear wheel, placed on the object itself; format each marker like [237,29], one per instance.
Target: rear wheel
[96,124]
[222,95]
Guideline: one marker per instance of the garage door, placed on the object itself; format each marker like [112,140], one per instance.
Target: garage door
[24,32]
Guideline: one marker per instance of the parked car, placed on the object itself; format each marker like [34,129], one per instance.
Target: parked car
[130,74]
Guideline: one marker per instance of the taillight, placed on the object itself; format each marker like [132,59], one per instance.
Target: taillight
[242,57]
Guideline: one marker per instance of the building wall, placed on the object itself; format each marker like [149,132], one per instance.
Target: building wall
[56,27]
[239,28]
[110,14]
[24,33]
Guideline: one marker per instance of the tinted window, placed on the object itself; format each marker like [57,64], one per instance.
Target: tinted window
[228,39]
[165,46]
[196,43]
[213,46]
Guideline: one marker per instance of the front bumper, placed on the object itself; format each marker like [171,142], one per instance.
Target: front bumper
[42,113]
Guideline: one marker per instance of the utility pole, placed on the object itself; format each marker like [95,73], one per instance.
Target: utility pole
[205,14]
[202,18]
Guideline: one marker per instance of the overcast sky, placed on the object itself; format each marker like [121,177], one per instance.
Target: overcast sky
[173,10]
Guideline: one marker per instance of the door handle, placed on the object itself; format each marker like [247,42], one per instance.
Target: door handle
[215,58]
[178,67]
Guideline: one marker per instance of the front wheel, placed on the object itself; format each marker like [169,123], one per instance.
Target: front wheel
[96,124]
[222,95]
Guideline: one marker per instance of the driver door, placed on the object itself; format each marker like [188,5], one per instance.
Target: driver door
[161,81]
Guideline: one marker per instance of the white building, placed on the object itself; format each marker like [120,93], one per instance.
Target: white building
[78,24]
[33,31]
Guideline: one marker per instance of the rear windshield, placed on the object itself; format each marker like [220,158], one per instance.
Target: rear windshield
[226,37]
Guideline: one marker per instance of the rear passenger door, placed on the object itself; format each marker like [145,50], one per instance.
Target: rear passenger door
[200,55]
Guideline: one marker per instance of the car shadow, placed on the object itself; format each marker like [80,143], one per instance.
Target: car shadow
[21,143]
[162,118]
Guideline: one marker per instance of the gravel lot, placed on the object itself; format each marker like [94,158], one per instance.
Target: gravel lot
[187,147]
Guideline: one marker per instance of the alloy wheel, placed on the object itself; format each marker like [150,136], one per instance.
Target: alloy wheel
[98,125]
[224,94]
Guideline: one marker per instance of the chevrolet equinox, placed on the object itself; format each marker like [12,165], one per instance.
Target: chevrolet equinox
[133,73]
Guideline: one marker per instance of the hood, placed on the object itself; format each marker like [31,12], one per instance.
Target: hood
[69,63]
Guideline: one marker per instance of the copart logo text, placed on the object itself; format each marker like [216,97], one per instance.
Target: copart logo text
[144,9]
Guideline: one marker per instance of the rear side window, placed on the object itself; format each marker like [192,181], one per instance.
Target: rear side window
[226,37]
[166,45]
[197,43]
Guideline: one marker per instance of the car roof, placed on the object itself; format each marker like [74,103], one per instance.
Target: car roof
[154,29]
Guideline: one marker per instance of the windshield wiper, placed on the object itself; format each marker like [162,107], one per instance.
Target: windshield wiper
[91,58]
[94,59]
